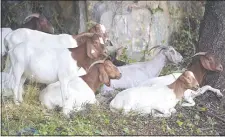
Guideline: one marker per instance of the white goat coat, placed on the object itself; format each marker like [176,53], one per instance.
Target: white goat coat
[162,80]
[39,39]
[79,94]
[145,99]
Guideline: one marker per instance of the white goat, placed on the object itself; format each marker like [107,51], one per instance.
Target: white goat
[146,100]
[45,57]
[134,74]
[79,94]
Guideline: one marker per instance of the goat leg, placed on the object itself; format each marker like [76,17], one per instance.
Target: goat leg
[20,96]
[205,88]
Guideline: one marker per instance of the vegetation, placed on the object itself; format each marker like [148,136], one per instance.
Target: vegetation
[31,118]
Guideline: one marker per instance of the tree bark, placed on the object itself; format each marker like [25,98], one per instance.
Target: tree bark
[212,39]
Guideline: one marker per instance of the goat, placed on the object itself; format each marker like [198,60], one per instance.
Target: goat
[134,74]
[49,60]
[146,100]
[80,89]
[199,66]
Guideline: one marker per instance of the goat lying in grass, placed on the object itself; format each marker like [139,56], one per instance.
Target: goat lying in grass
[136,73]
[146,100]
[46,58]
[80,89]
[202,63]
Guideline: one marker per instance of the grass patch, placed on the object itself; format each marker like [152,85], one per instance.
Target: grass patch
[31,118]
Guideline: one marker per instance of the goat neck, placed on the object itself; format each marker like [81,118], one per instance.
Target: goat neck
[157,64]
[178,88]
[92,79]
[80,55]
[198,70]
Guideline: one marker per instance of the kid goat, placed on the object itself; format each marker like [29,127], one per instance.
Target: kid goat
[146,100]
[80,89]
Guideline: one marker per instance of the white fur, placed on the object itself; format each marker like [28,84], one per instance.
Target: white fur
[4,32]
[39,39]
[33,55]
[6,84]
[162,80]
[79,94]
[189,95]
[146,100]
[134,74]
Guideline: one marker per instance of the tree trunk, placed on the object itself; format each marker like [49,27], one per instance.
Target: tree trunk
[212,39]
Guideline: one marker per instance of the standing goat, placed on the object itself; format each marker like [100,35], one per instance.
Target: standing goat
[146,100]
[134,74]
[46,58]
[80,89]
[202,63]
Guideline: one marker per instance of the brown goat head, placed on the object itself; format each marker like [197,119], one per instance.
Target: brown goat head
[189,80]
[100,29]
[39,22]
[210,62]
[95,47]
[108,71]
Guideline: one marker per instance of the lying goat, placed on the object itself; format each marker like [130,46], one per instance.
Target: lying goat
[80,89]
[46,58]
[134,74]
[146,100]
[201,64]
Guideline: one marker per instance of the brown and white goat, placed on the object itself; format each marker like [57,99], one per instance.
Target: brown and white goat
[80,89]
[147,100]
[49,60]
[202,63]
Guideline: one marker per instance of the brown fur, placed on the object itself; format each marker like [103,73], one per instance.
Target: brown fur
[185,81]
[101,74]
[204,63]
[41,24]
[82,54]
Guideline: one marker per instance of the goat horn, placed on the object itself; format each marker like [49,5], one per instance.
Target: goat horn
[158,46]
[199,53]
[31,15]
[97,62]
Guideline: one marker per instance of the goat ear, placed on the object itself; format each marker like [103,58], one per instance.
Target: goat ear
[205,63]
[103,77]
[92,52]
[185,79]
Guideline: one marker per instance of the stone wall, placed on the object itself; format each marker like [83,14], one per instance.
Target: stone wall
[138,25]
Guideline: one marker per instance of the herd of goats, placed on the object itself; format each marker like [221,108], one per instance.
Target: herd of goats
[74,67]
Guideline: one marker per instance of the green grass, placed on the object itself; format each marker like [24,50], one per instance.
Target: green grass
[97,120]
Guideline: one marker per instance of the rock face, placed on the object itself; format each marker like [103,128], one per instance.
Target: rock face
[138,25]
[141,25]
